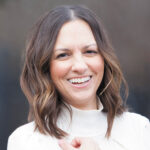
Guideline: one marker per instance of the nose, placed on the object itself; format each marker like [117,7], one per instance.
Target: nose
[79,65]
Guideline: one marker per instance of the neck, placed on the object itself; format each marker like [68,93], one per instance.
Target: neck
[88,104]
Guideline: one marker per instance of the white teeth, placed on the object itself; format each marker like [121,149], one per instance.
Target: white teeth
[79,80]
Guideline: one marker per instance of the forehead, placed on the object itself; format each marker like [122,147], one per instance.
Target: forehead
[75,33]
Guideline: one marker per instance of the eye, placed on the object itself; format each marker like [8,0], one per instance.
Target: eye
[62,55]
[91,52]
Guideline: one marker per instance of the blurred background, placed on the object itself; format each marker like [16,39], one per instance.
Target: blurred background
[127,23]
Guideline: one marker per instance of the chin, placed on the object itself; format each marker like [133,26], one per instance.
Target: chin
[81,99]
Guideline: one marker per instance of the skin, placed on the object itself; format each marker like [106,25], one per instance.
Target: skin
[76,55]
[79,143]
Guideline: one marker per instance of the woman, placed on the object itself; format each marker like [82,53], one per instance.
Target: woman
[72,80]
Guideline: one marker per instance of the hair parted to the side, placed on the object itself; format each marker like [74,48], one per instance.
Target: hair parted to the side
[44,99]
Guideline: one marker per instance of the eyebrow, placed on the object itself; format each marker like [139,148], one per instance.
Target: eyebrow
[84,47]
[87,46]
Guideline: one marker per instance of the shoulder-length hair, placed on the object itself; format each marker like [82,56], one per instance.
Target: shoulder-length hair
[44,99]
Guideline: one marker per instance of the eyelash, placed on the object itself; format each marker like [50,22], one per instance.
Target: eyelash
[62,55]
[89,52]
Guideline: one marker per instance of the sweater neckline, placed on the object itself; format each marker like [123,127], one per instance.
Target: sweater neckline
[87,113]
[84,122]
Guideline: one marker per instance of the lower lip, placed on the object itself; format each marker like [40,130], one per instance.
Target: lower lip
[82,85]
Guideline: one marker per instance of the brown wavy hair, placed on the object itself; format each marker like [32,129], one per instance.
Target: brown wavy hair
[44,99]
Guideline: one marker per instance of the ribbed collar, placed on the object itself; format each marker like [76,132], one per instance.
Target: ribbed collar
[84,122]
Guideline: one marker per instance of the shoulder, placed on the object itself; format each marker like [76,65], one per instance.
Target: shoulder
[27,138]
[23,130]
[20,135]
[131,120]
[130,123]
[132,130]
[134,118]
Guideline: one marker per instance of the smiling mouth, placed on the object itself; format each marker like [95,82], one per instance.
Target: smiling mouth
[80,80]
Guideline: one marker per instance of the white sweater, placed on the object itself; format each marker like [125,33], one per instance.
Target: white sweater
[130,132]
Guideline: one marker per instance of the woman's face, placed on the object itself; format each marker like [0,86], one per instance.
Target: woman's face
[77,67]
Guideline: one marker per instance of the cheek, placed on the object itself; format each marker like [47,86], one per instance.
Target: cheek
[97,65]
[58,70]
